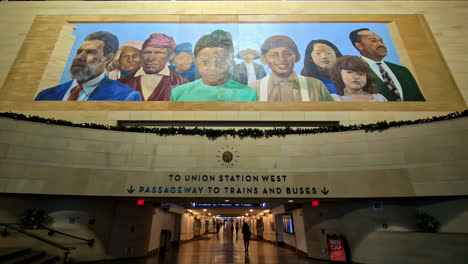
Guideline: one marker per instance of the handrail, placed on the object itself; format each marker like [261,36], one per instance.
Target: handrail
[52,231]
[13,227]
[66,249]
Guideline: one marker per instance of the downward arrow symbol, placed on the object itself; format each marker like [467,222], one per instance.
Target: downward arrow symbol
[131,190]
[325,190]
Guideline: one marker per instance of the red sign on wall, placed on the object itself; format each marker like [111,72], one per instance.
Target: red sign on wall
[336,249]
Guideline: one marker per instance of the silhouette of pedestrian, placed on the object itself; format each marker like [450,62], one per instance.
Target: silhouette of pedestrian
[246,233]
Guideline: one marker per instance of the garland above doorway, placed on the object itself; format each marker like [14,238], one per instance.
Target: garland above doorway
[241,133]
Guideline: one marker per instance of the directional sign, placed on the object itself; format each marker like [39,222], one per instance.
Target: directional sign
[325,190]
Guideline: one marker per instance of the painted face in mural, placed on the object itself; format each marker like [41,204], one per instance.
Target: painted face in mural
[353,80]
[371,46]
[249,58]
[89,61]
[183,61]
[154,59]
[281,61]
[214,64]
[130,59]
[323,56]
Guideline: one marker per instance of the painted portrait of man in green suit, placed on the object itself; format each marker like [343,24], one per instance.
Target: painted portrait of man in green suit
[395,82]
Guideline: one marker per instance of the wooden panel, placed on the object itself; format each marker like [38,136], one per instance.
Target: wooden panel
[445,23]
[58,58]
[33,58]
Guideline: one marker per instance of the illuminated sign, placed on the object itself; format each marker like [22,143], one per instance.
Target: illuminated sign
[227,205]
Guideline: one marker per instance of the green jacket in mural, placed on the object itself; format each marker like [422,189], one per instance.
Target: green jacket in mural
[408,84]
[228,91]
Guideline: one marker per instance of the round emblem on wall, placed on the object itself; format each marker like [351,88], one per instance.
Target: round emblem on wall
[227,156]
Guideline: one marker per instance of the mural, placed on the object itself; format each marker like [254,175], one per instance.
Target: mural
[271,62]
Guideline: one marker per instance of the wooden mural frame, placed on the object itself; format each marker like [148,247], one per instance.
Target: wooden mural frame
[417,48]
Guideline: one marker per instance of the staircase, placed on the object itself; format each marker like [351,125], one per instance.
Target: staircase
[26,256]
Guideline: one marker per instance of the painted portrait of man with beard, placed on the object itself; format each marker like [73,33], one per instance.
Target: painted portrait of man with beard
[89,61]
[87,71]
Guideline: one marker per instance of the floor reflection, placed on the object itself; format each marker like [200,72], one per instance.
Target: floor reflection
[224,247]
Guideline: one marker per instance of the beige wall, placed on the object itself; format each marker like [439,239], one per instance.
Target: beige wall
[419,160]
[299,231]
[370,242]
[121,229]
[268,232]
[111,230]
[451,213]
[186,231]
[445,19]
[298,239]
[161,219]
[131,226]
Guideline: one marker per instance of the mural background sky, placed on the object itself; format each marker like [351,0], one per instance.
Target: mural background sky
[244,35]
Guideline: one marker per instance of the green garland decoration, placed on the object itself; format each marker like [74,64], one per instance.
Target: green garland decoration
[241,133]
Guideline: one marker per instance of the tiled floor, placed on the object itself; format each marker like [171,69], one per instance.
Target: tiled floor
[224,248]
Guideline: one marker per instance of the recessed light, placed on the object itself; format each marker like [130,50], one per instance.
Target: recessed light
[291,201]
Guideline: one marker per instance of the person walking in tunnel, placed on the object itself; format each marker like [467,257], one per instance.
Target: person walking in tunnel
[237,228]
[246,233]
[218,226]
